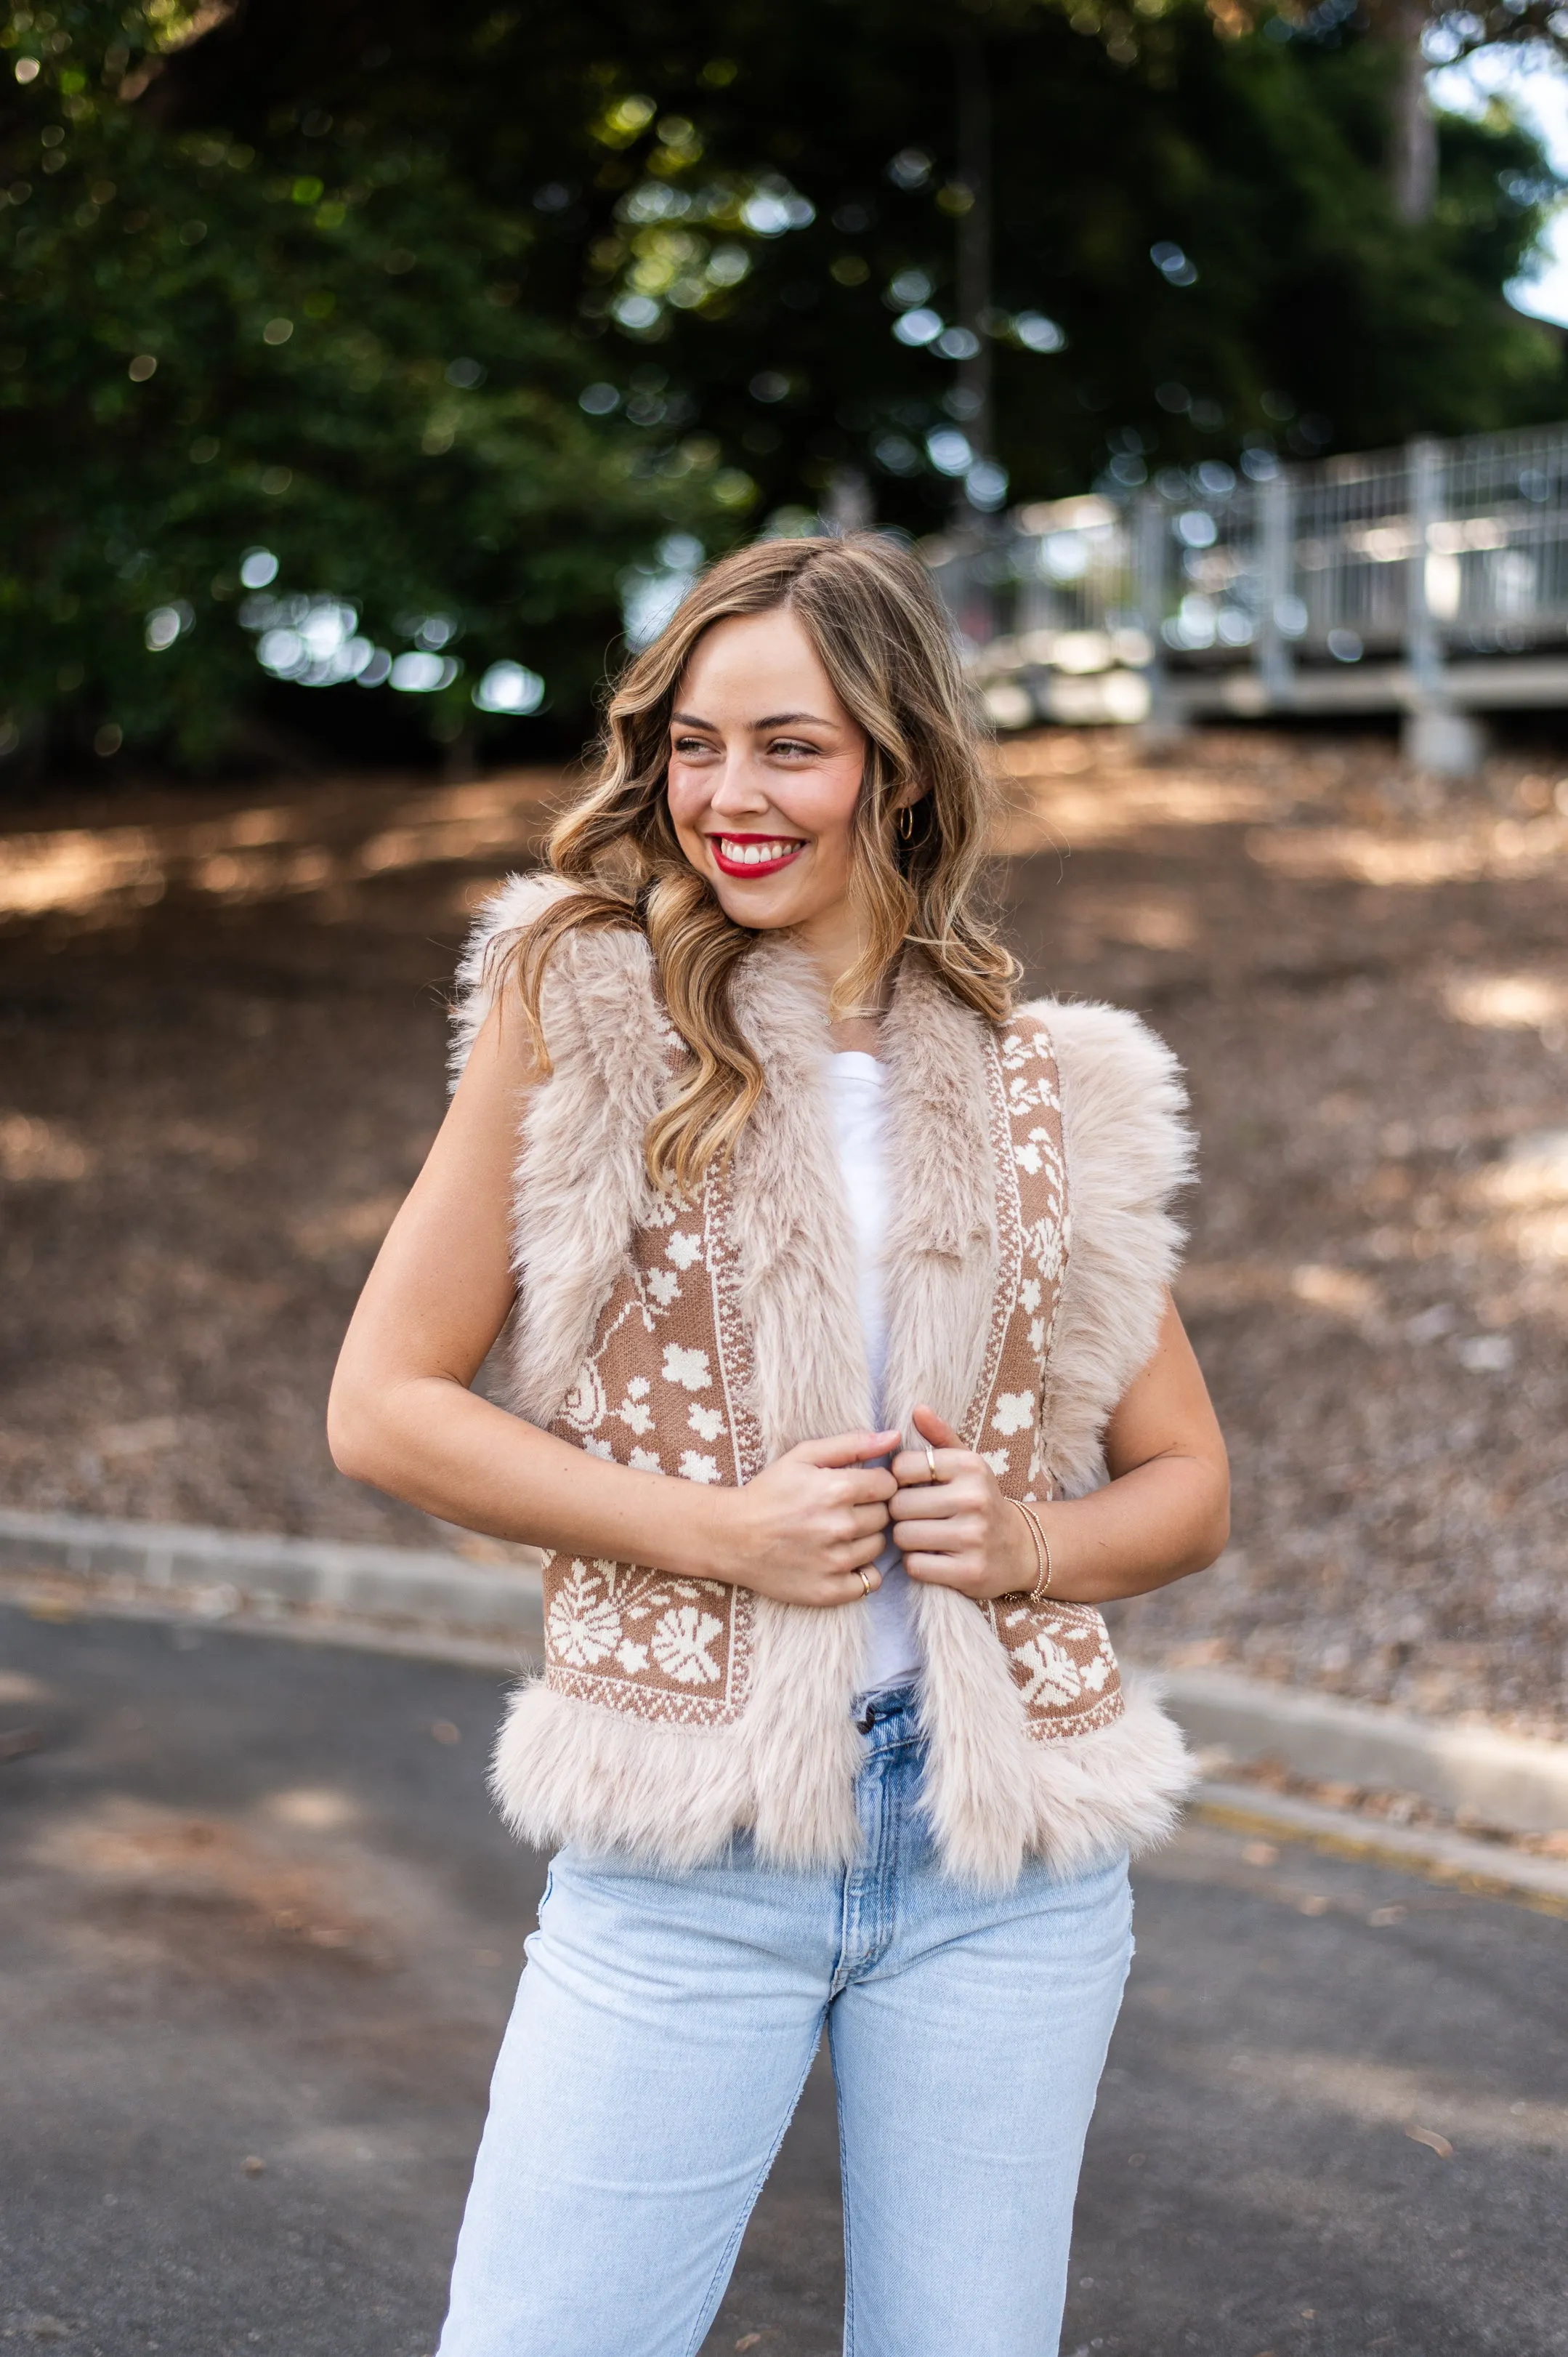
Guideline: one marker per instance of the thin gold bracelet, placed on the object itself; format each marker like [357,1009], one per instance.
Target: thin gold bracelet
[1042,1552]
[1042,1584]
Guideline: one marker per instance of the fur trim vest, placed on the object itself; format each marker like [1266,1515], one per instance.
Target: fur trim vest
[1030,1240]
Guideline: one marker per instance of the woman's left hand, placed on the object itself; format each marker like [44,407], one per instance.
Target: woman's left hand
[958,1531]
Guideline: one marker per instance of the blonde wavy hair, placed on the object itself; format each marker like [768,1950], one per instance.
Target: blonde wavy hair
[869,609]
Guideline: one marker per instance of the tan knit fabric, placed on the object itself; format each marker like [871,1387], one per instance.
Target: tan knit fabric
[664,1391]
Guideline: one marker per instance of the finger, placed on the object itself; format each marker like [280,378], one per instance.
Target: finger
[869,1522]
[858,1554]
[872,1486]
[932,1538]
[929,1426]
[842,1588]
[847,1447]
[911,1467]
[937,1570]
[924,1500]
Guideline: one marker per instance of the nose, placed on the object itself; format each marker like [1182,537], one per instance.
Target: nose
[740,791]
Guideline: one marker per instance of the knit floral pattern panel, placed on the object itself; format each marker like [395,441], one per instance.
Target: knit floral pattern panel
[1059,1653]
[662,1390]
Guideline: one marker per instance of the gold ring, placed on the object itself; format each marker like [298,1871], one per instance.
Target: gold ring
[865,1580]
[932,1473]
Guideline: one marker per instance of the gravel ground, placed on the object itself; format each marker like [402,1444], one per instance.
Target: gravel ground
[221,1033]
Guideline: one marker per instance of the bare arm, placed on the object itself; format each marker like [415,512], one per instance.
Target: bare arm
[401,1415]
[1164,1513]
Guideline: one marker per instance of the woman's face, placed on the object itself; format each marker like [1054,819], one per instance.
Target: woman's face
[765,772]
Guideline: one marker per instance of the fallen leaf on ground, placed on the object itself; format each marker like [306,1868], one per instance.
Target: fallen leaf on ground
[1432,2141]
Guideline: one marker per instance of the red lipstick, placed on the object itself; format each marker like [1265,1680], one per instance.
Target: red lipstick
[752,845]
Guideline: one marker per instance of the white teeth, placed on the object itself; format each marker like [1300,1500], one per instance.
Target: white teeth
[754,854]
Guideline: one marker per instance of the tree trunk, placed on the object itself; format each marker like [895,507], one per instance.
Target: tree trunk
[1413,161]
[974,237]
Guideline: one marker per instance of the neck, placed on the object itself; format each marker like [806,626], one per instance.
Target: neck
[836,941]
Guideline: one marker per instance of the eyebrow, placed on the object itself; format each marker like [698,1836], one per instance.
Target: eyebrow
[772,720]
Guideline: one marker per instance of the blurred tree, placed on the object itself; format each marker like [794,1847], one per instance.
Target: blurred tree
[575,271]
[1194,230]
[318,358]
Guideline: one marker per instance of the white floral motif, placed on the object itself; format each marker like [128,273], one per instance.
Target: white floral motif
[705,1422]
[681,1642]
[694,1466]
[688,1368]
[664,1286]
[1013,1412]
[634,1415]
[646,1460]
[997,1458]
[1052,1671]
[1029,1293]
[592,1448]
[639,1387]
[583,1625]
[683,1249]
[632,1658]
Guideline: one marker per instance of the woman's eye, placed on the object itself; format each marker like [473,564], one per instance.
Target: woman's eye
[689,745]
[793,747]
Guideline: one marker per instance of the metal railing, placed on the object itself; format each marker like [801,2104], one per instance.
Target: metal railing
[1421,580]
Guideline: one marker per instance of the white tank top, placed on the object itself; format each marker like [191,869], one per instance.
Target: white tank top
[893,1654]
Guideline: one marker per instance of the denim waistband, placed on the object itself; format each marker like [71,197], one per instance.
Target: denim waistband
[891,1708]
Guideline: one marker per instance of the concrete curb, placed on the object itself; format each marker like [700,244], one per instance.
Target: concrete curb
[1511,1780]
[1431,1850]
[222,1573]
[398,1600]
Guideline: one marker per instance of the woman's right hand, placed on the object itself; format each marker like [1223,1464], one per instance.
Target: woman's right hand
[805,1530]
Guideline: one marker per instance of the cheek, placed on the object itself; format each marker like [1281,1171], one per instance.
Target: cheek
[686,793]
[824,806]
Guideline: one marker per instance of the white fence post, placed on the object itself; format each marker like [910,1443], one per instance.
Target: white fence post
[1435,736]
[1276,664]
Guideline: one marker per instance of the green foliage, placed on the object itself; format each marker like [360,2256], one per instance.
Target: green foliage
[209,347]
[740,199]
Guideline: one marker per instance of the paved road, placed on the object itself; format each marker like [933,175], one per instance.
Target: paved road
[258,1938]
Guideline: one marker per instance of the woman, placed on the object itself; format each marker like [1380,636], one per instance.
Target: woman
[840,1290]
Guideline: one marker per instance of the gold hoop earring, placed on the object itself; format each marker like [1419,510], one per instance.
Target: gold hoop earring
[906,823]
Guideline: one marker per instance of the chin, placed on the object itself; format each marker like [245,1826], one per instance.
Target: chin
[756,906]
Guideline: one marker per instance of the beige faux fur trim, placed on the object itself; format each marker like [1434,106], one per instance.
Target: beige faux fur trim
[794,1243]
[1128,1150]
[582,1181]
[565,1771]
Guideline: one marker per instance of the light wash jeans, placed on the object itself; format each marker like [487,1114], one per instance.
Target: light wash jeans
[663,2031]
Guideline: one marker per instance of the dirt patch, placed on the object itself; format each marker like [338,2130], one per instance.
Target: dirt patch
[207,1896]
[223,1043]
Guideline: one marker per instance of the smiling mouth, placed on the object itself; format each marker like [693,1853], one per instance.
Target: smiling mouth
[754,854]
